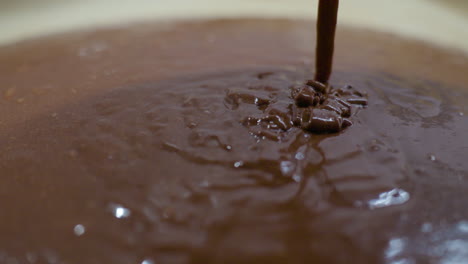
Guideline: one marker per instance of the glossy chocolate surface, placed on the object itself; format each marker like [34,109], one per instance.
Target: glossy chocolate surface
[133,145]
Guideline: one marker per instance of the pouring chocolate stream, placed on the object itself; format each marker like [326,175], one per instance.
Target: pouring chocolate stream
[326,26]
[319,107]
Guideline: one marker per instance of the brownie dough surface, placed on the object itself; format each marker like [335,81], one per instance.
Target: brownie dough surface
[130,144]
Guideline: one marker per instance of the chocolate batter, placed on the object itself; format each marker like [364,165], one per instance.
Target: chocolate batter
[167,143]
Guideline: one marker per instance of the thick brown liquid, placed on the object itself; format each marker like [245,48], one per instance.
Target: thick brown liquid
[131,145]
[326,26]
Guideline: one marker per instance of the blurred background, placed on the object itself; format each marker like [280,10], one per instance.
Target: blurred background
[443,22]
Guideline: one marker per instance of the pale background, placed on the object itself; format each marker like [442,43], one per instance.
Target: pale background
[443,22]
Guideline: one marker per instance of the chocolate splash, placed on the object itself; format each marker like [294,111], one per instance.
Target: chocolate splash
[324,109]
[312,106]
[317,107]
[321,108]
